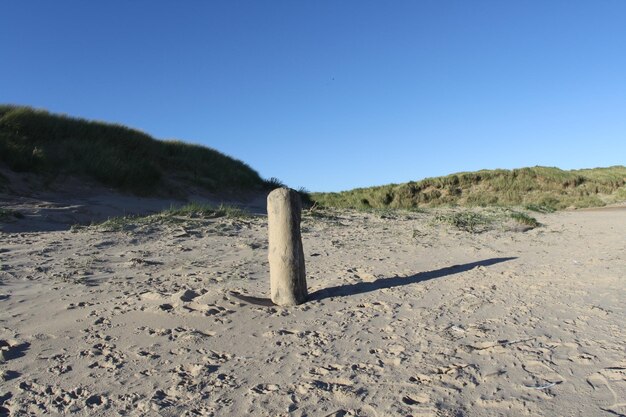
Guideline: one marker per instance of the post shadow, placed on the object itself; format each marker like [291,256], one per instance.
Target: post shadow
[379,284]
[13,351]
[383,283]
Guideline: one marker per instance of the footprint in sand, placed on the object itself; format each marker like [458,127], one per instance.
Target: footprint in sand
[609,388]
[393,355]
[263,389]
[79,304]
[416,399]
[184,302]
[57,400]
[325,370]
[544,378]
[61,365]
[583,358]
[340,386]
[506,407]
[106,355]
[176,333]
[570,352]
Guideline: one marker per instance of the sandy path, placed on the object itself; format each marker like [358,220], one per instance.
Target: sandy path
[406,318]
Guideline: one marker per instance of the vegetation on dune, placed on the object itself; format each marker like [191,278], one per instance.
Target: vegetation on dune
[51,145]
[117,156]
[540,189]
[524,219]
[173,215]
[482,220]
[202,210]
[466,220]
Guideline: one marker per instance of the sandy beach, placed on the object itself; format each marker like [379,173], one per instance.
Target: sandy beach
[407,317]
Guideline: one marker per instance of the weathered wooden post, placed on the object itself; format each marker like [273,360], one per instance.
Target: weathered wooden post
[286,257]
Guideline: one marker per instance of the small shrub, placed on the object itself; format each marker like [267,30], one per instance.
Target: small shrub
[273,183]
[385,213]
[318,212]
[540,208]
[116,224]
[524,219]
[466,220]
[305,197]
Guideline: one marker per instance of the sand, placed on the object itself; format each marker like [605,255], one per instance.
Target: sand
[407,318]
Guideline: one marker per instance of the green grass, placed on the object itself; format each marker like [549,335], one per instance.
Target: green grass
[49,144]
[173,215]
[524,219]
[319,213]
[201,210]
[482,220]
[540,208]
[466,220]
[542,188]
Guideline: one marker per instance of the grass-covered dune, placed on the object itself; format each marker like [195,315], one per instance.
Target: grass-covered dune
[50,144]
[540,188]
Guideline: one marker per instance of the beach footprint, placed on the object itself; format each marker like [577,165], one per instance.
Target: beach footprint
[542,373]
[609,388]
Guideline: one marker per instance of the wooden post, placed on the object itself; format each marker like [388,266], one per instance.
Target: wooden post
[286,257]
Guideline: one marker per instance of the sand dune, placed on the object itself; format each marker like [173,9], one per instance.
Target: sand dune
[406,317]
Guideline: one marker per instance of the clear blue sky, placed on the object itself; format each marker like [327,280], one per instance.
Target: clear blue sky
[332,95]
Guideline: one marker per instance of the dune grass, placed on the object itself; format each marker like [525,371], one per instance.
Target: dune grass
[542,189]
[466,220]
[479,220]
[202,210]
[524,219]
[540,208]
[191,211]
[49,144]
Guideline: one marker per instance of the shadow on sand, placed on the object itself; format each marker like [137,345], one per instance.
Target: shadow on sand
[13,351]
[379,284]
